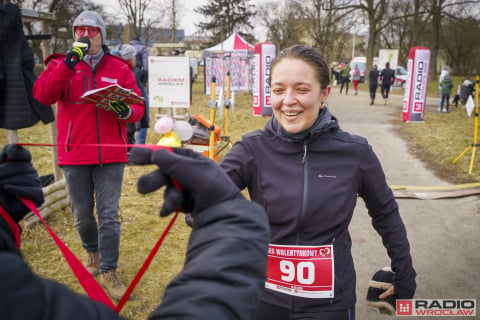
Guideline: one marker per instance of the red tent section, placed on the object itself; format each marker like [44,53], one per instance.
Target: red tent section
[232,43]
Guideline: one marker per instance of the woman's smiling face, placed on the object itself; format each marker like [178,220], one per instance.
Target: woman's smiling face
[296,94]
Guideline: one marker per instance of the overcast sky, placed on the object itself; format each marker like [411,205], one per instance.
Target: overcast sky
[189,17]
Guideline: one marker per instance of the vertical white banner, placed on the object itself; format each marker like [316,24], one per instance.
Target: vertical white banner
[264,54]
[417,83]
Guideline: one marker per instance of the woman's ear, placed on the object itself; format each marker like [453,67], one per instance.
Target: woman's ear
[326,93]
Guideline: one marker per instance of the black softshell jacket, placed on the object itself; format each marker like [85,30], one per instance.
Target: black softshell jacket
[308,183]
[223,276]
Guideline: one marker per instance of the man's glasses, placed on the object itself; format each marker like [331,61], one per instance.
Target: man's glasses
[92,31]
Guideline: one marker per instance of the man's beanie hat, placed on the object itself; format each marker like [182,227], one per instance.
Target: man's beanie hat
[90,19]
[381,281]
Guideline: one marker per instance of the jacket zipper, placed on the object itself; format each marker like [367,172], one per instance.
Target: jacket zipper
[305,191]
[304,163]
[97,122]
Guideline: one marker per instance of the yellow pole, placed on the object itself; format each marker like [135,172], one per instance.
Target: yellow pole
[462,154]
[475,135]
[213,105]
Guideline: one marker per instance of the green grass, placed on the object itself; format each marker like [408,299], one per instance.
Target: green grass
[437,142]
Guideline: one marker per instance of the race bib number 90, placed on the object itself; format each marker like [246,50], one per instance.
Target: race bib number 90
[301,271]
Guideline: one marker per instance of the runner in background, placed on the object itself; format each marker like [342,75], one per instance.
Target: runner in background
[387,76]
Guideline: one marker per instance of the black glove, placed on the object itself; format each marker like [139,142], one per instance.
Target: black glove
[381,281]
[79,50]
[204,183]
[18,178]
[121,109]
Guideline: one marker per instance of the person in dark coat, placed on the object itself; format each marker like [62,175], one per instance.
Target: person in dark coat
[345,76]
[18,108]
[226,258]
[373,83]
[128,53]
[141,69]
[388,78]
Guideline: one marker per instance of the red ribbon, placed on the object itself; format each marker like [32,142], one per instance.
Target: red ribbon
[86,280]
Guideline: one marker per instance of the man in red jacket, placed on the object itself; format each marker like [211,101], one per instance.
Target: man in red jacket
[92,151]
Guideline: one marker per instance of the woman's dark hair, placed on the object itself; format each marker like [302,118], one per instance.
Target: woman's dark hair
[308,55]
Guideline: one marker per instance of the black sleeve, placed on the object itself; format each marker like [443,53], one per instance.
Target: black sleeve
[24,295]
[237,164]
[225,266]
[386,220]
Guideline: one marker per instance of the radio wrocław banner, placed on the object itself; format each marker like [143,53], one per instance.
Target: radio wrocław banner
[417,81]
[264,54]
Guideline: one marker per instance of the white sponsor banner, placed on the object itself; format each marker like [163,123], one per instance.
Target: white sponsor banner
[390,56]
[169,82]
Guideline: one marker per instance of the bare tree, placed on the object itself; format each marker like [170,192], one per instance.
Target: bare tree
[173,11]
[283,22]
[408,30]
[327,27]
[460,47]
[138,19]
[373,14]
[439,10]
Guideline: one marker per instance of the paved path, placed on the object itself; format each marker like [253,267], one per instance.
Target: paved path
[444,234]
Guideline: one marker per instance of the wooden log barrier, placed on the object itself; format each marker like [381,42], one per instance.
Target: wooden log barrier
[56,199]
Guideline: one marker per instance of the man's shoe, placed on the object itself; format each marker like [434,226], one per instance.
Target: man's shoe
[93,263]
[115,287]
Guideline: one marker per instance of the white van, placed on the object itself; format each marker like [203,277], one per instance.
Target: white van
[362,65]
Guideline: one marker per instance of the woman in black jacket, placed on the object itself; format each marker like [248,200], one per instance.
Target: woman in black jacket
[307,173]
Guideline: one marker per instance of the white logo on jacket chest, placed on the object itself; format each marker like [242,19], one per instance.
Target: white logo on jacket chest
[326,176]
[110,80]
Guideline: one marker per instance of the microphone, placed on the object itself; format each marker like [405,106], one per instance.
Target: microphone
[78,51]
[84,43]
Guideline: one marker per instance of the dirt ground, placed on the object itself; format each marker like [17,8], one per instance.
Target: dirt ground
[443,234]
